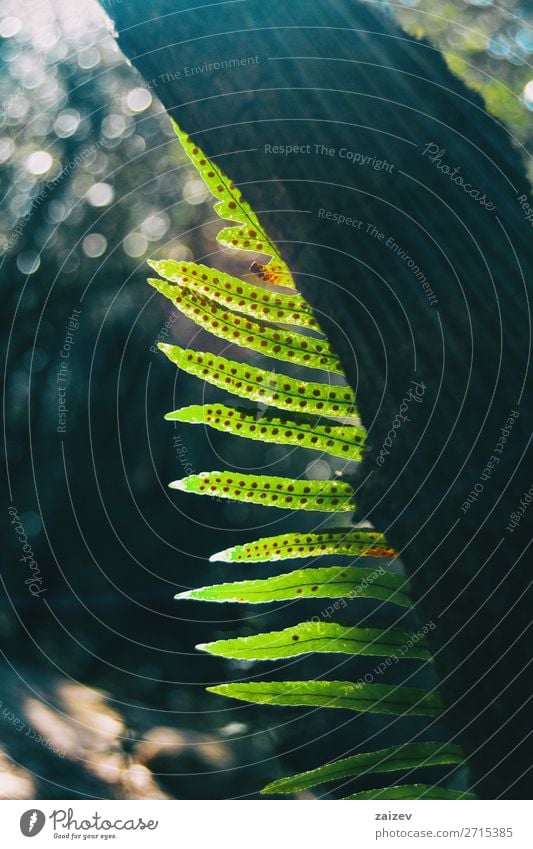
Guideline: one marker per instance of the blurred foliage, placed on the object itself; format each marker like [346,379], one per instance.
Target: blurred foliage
[489,45]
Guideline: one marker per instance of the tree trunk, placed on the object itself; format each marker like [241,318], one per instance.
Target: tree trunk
[400,205]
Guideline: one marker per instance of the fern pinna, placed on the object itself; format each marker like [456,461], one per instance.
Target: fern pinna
[318,416]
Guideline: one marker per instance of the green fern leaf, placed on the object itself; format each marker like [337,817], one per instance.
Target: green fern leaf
[355,543]
[339,441]
[267,387]
[322,637]
[325,582]
[236,311]
[404,757]
[249,235]
[326,496]
[234,294]
[275,342]
[412,792]
[349,695]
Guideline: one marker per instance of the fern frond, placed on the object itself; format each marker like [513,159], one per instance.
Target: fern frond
[325,496]
[324,582]
[349,541]
[322,637]
[404,757]
[314,416]
[334,439]
[275,342]
[236,294]
[266,387]
[249,234]
[349,695]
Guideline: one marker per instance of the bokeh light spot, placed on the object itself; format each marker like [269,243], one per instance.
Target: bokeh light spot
[100,194]
[139,99]
[28,262]
[39,162]
[9,27]
[135,244]
[94,245]
[528,94]
[66,123]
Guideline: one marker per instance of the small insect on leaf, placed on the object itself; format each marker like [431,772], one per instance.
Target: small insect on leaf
[273,272]
[235,294]
[231,205]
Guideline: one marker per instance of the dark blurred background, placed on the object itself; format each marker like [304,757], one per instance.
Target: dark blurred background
[102,693]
